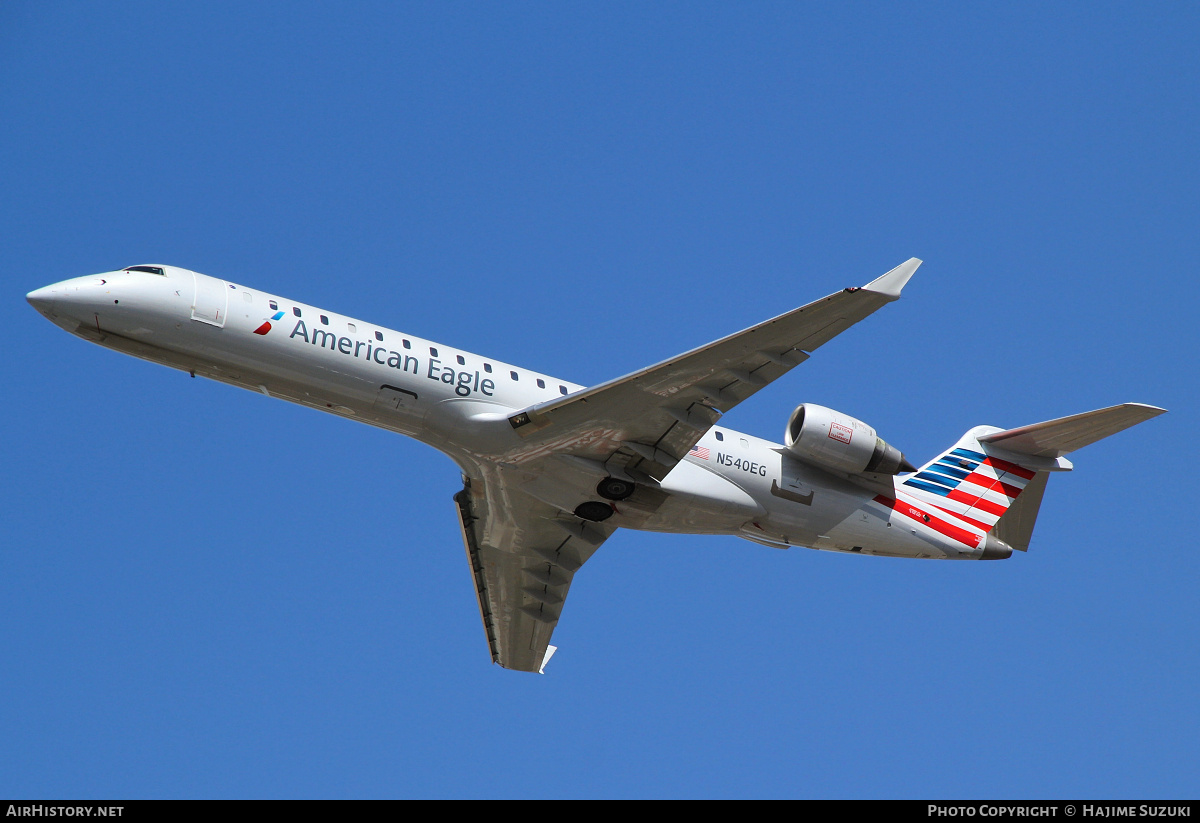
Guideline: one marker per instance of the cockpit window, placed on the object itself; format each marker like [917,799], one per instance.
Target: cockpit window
[147,270]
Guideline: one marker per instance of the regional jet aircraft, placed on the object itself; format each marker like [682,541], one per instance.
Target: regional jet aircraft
[551,469]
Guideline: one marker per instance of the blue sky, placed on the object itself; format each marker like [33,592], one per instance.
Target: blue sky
[208,593]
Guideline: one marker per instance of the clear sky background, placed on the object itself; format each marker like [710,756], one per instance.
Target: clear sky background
[208,593]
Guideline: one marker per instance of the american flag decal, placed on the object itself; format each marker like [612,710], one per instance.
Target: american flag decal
[699,451]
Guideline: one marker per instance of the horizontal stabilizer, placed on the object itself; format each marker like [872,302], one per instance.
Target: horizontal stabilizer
[1054,438]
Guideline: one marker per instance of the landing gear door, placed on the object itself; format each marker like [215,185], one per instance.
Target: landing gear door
[212,300]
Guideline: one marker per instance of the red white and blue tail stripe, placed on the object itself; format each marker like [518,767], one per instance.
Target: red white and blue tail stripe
[974,487]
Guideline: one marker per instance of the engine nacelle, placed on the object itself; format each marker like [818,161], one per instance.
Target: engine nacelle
[833,440]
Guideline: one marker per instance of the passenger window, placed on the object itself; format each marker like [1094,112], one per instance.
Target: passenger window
[513,374]
[350,327]
[324,320]
[720,436]
[274,305]
[541,383]
[461,362]
[407,344]
[379,336]
[433,351]
[562,390]
[296,310]
[487,367]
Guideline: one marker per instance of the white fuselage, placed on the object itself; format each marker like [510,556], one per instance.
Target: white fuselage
[459,403]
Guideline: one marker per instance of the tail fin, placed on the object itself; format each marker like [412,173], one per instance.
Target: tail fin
[994,479]
[969,483]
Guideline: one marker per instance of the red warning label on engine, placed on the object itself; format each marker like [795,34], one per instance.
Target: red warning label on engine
[839,432]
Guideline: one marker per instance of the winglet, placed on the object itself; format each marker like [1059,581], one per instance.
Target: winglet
[550,650]
[890,284]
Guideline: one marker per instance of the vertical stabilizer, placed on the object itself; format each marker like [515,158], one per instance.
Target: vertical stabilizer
[969,483]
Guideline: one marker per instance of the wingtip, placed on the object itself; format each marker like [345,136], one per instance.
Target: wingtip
[1145,409]
[891,284]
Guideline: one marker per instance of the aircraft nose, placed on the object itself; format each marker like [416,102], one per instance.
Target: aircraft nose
[43,299]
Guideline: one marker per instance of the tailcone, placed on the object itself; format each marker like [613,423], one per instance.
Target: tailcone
[995,549]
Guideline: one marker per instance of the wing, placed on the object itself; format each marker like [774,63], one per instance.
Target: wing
[523,554]
[645,423]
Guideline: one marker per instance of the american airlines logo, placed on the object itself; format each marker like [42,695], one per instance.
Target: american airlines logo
[266,326]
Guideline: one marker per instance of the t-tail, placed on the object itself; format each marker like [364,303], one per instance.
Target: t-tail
[992,480]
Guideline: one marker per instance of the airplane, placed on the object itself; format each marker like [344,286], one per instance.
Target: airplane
[552,469]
